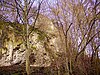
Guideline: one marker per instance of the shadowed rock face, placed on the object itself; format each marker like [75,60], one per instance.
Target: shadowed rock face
[44,41]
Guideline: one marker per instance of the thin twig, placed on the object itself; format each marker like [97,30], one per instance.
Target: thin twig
[86,45]
[36,17]
[30,7]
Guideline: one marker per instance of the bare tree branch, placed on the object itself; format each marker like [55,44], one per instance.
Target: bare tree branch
[85,45]
[36,16]
[18,12]
[30,7]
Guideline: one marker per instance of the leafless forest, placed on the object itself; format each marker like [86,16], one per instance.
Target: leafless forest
[49,37]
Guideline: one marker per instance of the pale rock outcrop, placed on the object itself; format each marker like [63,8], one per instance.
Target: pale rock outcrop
[45,44]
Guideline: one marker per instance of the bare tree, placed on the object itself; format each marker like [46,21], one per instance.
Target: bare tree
[22,12]
[79,23]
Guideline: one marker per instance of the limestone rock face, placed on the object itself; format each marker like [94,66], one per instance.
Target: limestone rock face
[44,44]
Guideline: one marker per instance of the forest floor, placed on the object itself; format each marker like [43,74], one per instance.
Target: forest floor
[20,70]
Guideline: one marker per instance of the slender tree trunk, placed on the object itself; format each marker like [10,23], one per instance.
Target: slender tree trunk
[27,53]
[27,62]
[26,36]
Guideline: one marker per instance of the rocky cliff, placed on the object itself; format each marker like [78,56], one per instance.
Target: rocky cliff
[44,41]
